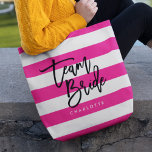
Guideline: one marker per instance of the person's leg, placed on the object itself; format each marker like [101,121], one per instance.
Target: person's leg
[108,9]
[130,22]
[134,23]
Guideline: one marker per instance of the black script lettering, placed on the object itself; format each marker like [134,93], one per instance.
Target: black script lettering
[68,92]
[54,68]
[69,69]
[79,90]
[70,83]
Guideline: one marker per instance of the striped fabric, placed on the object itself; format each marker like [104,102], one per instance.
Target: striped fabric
[82,85]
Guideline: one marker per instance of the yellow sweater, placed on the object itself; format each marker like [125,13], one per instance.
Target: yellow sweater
[44,24]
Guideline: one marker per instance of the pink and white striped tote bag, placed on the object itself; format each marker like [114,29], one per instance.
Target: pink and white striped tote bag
[82,85]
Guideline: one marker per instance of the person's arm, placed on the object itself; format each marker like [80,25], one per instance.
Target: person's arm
[38,34]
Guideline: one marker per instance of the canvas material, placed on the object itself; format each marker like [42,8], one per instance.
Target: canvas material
[82,85]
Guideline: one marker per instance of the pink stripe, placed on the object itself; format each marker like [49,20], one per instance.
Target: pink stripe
[90,52]
[109,100]
[89,29]
[52,91]
[94,128]
[20,50]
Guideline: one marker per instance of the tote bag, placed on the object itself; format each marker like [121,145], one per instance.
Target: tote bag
[82,85]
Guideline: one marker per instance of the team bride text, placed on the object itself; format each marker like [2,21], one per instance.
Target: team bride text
[70,85]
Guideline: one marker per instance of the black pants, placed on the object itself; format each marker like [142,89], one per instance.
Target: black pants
[130,21]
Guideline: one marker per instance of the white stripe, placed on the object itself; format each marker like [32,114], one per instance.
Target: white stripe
[61,102]
[92,119]
[70,44]
[47,79]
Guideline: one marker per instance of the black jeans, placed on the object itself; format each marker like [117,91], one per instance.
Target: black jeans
[130,21]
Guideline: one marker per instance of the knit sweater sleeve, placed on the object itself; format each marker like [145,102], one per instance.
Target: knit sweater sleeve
[38,34]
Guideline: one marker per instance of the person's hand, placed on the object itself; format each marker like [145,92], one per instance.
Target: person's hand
[86,8]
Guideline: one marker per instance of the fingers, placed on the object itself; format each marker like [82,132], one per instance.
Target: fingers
[95,9]
[92,3]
